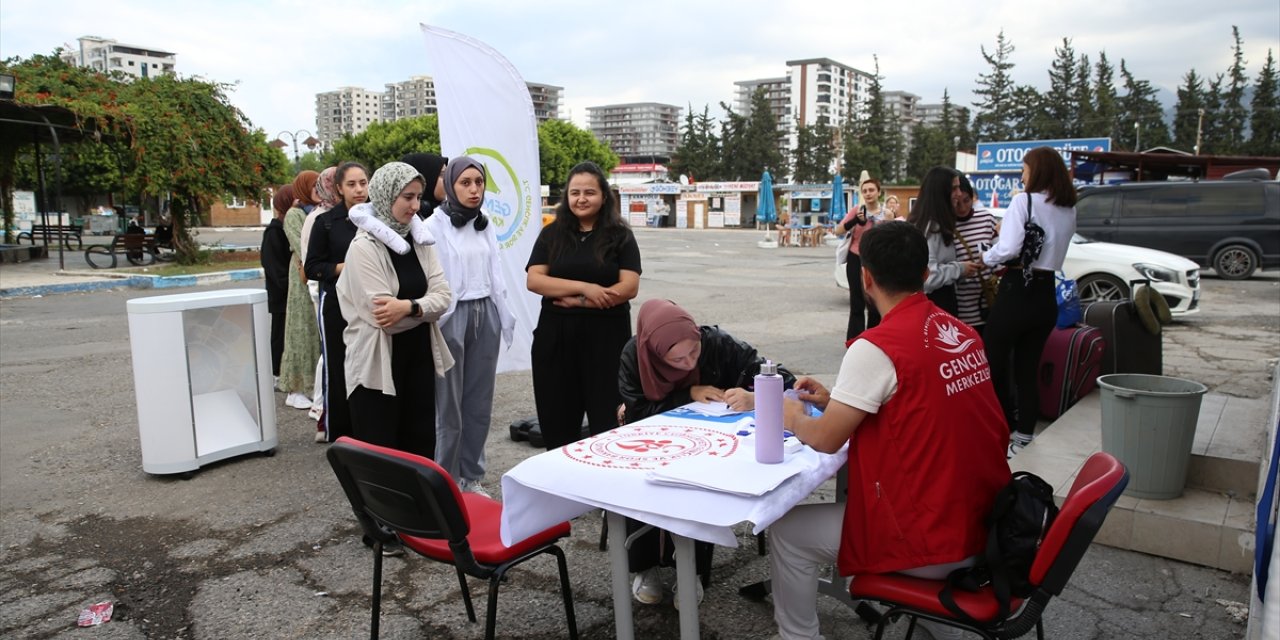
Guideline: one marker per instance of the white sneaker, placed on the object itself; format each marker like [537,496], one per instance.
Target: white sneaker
[321,436]
[298,400]
[317,410]
[646,586]
[473,486]
[1016,445]
[675,592]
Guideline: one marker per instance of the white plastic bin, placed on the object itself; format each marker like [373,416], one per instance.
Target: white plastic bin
[202,376]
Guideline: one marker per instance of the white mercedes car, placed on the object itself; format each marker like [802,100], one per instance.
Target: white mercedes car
[1103,271]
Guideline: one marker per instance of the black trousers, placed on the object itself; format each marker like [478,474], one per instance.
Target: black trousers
[1021,320]
[337,413]
[277,341]
[406,421]
[575,361]
[862,314]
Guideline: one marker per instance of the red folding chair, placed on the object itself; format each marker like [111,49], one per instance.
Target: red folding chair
[397,494]
[1092,495]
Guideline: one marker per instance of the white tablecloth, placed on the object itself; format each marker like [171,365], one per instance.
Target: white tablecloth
[609,471]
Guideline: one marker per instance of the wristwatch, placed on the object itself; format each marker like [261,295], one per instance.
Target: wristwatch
[415,309]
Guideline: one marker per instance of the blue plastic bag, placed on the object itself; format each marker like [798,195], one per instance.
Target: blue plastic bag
[1069,312]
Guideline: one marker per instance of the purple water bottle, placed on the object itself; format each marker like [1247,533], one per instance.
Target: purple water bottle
[768,414]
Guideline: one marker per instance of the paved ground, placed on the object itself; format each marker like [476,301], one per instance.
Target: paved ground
[263,547]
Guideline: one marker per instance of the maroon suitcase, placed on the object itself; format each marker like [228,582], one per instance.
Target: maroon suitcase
[1069,367]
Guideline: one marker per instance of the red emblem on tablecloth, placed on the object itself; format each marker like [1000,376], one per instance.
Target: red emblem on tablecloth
[650,447]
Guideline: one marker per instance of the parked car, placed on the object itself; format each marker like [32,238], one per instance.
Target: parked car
[1103,271]
[1231,225]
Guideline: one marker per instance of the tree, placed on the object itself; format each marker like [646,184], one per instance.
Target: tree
[1139,105]
[179,139]
[190,144]
[1234,114]
[561,145]
[384,142]
[1211,129]
[1029,118]
[872,137]
[1186,113]
[1082,96]
[749,144]
[698,154]
[1264,119]
[813,155]
[992,122]
[1061,110]
[930,147]
[1106,104]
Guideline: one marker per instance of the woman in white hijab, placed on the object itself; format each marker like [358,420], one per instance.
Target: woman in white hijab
[475,325]
[392,290]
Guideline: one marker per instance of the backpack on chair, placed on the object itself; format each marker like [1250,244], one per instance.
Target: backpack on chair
[1020,518]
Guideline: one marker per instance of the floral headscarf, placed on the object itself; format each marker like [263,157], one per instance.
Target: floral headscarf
[325,191]
[387,183]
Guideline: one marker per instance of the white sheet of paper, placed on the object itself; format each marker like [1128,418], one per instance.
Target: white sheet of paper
[713,409]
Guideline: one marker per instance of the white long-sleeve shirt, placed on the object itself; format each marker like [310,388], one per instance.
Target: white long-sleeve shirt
[1059,224]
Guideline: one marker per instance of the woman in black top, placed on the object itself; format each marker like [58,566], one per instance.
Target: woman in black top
[331,234]
[586,267]
[275,256]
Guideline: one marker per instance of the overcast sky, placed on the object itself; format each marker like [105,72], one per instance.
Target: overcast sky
[279,53]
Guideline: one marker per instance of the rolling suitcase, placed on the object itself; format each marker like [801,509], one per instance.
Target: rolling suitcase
[1129,347]
[1069,368]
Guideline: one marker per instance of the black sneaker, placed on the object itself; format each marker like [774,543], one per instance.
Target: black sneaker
[389,549]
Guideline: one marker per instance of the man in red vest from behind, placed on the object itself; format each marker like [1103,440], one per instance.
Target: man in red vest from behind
[926,437]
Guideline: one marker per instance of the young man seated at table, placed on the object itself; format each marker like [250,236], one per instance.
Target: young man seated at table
[926,439]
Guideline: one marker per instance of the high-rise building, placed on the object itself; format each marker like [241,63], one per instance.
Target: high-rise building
[413,97]
[546,101]
[824,91]
[348,110]
[777,91]
[641,131]
[106,55]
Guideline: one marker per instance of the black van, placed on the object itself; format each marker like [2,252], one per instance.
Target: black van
[1230,225]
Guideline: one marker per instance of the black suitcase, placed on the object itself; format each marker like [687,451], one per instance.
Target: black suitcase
[1129,347]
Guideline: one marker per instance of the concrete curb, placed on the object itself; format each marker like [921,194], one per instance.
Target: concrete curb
[132,282]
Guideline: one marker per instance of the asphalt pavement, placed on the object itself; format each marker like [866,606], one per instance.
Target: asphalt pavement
[266,547]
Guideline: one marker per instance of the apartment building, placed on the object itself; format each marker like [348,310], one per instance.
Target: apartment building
[648,131]
[348,110]
[106,55]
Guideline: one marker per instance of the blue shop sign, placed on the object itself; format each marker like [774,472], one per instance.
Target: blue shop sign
[1007,156]
[1003,185]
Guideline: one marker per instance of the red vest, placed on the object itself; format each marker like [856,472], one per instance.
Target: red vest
[925,469]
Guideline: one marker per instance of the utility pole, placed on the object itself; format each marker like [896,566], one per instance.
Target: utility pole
[1199,130]
[1137,137]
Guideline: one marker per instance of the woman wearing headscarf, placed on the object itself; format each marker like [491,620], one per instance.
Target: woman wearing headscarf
[670,362]
[326,257]
[301,338]
[431,166]
[475,325]
[275,257]
[326,193]
[391,292]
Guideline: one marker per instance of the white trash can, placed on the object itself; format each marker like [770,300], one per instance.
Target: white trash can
[202,377]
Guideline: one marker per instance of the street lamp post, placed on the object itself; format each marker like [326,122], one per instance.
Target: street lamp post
[311,142]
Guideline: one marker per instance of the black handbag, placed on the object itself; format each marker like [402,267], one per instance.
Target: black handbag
[1032,243]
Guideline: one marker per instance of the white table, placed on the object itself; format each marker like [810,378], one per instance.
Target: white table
[609,472]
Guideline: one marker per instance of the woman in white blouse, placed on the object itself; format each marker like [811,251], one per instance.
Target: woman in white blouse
[1026,310]
[475,325]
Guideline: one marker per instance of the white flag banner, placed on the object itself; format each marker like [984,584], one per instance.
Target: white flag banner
[486,113]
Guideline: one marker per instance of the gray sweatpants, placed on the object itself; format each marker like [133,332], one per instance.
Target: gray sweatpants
[464,396]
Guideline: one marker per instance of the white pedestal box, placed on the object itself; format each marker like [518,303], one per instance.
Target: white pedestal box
[202,375]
